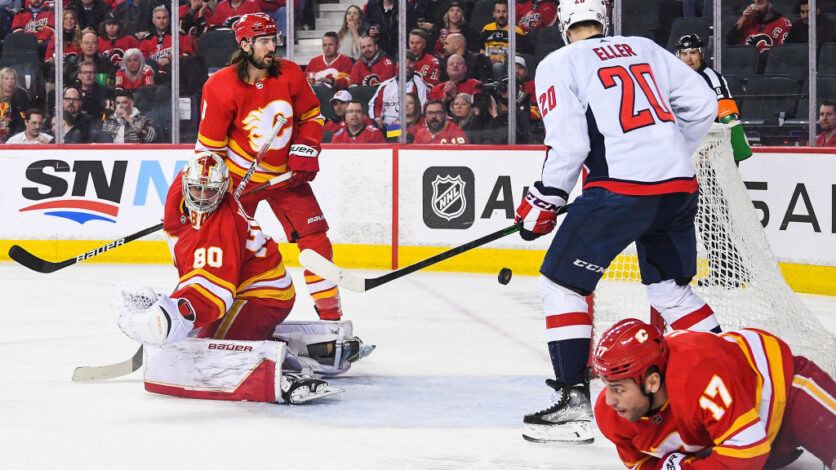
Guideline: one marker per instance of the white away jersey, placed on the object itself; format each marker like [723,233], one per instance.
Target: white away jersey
[627,111]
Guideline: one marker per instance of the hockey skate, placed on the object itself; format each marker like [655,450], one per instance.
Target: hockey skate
[298,389]
[567,420]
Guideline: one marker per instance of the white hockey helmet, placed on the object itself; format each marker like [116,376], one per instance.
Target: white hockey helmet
[575,11]
[205,183]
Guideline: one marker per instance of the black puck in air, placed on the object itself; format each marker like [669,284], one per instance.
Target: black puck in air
[504,276]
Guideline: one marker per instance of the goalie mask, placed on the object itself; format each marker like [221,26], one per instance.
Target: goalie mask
[571,13]
[205,183]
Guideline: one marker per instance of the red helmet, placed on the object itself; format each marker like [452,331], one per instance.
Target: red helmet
[253,25]
[628,350]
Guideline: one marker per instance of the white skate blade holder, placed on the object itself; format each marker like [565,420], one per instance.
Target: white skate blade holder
[298,399]
[572,432]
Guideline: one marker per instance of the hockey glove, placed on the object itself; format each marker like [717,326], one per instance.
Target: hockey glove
[537,213]
[675,461]
[150,318]
[303,161]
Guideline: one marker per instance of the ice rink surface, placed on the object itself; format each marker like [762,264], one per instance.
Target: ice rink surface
[460,359]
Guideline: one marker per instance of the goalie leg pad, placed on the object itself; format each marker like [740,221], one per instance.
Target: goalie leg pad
[216,369]
[323,347]
[681,307]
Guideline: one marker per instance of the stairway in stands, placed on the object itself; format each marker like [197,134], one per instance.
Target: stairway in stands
[329,17]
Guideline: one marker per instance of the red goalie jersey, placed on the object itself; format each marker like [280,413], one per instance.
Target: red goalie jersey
[726,400]
[226,99]
[224,263]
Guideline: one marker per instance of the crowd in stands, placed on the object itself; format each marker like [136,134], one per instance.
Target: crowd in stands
[116,51]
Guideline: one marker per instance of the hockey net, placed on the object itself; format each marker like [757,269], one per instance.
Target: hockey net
[737,273]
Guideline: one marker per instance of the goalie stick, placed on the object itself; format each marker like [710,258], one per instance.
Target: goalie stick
[110,371]
[320,265]
[35,263]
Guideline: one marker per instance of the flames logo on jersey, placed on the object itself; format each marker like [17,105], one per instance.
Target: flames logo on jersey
[260,122]
[371,79]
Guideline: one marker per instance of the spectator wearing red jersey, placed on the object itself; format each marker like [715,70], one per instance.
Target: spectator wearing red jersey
[134,73]
[38,20]
[373,66]
[229,11]
[113,41]
[827,122]
[414,115]
[439,130]
[356,129]
[526,85]
[426,65]
[331,69]
[458,83]
[339,102]
[157,47]
[72,38]
[535,14]
[760,26]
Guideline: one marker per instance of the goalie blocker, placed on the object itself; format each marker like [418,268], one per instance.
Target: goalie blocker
[263,371]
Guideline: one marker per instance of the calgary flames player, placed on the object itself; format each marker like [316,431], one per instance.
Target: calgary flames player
[233,286]
[695,400]
[241,104]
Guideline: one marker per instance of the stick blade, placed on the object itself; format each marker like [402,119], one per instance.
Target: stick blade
[110,371]
[19,254]
[320,266]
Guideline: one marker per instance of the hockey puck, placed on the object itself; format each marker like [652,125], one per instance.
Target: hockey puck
[504,276]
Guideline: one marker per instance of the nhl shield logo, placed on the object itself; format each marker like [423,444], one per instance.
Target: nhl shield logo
[448,197]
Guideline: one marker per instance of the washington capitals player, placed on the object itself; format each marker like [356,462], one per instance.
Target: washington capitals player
[629,114]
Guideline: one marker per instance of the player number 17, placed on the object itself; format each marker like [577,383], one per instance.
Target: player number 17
[707,400]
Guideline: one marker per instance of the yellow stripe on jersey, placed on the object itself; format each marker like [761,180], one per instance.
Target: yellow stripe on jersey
[813,389]
[747,453]
[312,278]
[222,330]
[779,391]
[311,114]
[634,465]
[742,421]
[211,297]
[245,154]
[325,294]
[211,143]
[202,272]
[276,273]
[741,343]
[269,293]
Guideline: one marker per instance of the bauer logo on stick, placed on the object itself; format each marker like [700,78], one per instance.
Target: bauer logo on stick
[448,197]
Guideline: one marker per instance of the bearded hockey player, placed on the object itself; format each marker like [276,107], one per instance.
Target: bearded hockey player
[220,324]
[692,400]
[630,115]
[241,104]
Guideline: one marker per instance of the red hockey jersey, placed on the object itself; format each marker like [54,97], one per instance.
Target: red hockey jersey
[237,117]
[339,69]
[372,73]
[228,258]
[367,135]
[534,14]
[114,49]
[156,47]
[224,12]
[468,86]
[766,36]
[41,24]
[146,78]
[429,68]
[726,397]
[69,49]
[336,126]
[450,134]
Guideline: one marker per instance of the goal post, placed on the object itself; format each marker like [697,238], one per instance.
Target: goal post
[737,272]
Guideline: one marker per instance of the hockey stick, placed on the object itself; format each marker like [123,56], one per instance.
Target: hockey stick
[320,265]
[280,122]
[111,371]
[35,263]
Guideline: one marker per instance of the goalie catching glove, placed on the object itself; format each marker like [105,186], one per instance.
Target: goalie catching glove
[151,318]
[303,161]
[537,213]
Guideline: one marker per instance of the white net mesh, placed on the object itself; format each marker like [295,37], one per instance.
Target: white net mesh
[738,275]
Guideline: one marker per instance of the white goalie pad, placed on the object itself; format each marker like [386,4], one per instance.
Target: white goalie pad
[321,347]
[216,369]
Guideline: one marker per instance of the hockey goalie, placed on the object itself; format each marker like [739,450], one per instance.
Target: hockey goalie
[221,334]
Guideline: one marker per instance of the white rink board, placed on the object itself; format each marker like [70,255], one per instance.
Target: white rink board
[800,197]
